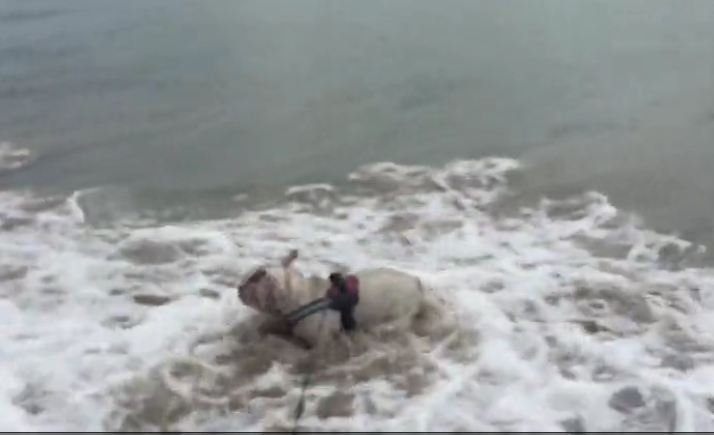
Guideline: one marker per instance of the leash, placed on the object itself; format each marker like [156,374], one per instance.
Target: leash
[306,382]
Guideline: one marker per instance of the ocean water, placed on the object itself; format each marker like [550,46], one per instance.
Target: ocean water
[544,166]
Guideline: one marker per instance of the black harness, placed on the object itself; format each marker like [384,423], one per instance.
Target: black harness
[342,296]
[308,309]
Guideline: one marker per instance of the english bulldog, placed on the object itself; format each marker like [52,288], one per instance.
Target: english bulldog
[386,297]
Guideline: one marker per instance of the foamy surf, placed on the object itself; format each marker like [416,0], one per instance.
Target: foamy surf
[568,315]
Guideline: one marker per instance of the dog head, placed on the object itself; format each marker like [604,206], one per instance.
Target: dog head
[262,288]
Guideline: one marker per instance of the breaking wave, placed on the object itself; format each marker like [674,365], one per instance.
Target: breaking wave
[565,315]
[12,156]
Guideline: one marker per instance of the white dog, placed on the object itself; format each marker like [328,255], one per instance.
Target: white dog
[385,296]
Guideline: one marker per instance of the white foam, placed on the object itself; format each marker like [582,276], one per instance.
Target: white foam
[12,156]
[74,341]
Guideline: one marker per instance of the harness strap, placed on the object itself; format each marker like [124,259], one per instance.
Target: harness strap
[320,304]
[308,309]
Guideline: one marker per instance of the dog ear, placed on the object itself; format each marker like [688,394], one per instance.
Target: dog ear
[290,258]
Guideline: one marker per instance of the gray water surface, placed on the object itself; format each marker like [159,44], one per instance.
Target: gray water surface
[221,95]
